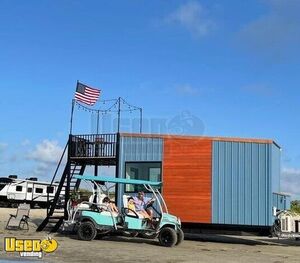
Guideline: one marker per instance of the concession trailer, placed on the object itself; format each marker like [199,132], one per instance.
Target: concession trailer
[210,183]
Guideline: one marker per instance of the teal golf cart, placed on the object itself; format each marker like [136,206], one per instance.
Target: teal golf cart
[94,218]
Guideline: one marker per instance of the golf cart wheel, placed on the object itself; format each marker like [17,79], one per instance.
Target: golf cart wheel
[87,231]
[167,237]
[180,236]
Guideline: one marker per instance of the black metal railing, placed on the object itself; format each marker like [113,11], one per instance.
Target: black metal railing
[93,145]
[54,177]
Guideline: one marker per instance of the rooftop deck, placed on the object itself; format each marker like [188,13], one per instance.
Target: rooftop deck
[92,149]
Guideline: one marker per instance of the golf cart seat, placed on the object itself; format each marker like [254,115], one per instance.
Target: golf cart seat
[99,199]
[125,205]
[87,205]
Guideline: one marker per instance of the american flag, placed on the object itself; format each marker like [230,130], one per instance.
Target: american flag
[86,94]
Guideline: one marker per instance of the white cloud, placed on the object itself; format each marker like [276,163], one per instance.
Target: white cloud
[47,151]
[42,170]
[290,182]
[193,17]
[275,34]
[46,156]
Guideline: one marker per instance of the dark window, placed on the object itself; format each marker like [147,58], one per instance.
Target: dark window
[149,171]
[29,190]
[39,190]
[19,188]
[50,189]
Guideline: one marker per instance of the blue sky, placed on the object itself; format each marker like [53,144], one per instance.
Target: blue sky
[233,66]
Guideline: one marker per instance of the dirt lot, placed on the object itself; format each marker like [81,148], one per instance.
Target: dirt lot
[196,248]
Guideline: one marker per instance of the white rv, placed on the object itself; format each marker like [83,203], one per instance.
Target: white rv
[29,190]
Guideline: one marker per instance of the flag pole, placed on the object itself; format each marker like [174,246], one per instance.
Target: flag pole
[72,111]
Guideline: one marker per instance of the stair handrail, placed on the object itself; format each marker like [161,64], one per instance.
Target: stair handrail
[55,173]
[59,163]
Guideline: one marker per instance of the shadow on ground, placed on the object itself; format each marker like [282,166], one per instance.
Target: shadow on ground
[115,238]
[250,240]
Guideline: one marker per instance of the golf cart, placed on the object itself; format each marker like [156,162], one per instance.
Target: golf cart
[96,218]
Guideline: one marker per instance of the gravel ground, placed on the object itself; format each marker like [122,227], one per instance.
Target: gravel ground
[195,248]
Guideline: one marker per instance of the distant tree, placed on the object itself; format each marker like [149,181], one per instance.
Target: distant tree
[295,206]
[84,191]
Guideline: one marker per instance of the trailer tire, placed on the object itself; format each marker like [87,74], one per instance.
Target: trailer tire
[167,237]
[180,236]
[87,231]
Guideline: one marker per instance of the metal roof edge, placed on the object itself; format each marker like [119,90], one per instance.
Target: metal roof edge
[213,138]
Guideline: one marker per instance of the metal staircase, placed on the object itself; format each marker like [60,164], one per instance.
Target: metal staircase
[80,151]
[57,208]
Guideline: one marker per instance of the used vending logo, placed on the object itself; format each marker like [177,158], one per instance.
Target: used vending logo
[30,247]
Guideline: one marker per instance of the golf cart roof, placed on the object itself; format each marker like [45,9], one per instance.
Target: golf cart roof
[115,180]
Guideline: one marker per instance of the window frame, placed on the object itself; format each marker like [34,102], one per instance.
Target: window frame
[18,187]
[36,188]
[148,168]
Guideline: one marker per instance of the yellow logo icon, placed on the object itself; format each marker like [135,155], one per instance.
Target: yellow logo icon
[30,247]
[49,245]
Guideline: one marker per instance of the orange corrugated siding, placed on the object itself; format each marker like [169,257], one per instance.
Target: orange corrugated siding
[187,178]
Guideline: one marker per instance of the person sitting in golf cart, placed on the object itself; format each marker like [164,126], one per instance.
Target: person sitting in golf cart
[131,206]
[142,204]
[110,205]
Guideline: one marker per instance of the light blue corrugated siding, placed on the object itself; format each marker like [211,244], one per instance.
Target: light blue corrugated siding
[137,149]
[276,154]
[281,201]
[241,183]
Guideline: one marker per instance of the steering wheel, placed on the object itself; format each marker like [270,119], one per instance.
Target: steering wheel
[125,211]
[150,203]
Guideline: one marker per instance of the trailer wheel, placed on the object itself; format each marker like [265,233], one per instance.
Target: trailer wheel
[180,236]
[167,237]
[87,231]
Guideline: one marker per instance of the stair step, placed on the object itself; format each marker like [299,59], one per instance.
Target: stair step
[52,222]
[55,217]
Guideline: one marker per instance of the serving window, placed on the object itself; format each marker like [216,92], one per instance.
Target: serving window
[149,171]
